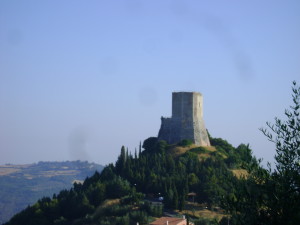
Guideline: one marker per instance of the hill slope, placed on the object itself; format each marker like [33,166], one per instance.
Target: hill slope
[136,182]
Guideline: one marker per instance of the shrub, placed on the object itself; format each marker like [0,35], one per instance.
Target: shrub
[185,143]
[198,150]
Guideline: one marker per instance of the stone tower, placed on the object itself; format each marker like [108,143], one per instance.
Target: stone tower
[186,121]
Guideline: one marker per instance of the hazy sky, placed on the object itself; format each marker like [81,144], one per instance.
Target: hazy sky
[79,79]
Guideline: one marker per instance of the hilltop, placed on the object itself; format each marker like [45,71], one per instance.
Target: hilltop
[23,185]
[128,191]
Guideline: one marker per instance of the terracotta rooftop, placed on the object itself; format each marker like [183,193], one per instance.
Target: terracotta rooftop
[171,221]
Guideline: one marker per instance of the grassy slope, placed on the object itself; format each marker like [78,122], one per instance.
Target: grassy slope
[240,173]
[203,151]
[200,211]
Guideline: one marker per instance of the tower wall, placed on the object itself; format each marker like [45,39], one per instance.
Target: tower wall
[182,105]
[186,121]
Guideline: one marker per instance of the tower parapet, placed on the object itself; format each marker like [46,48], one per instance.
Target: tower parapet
[186,121]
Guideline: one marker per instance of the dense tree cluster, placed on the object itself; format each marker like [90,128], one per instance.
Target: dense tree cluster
[158,173]
[153,172]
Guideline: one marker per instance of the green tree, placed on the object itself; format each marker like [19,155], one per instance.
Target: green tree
[150,144]
[96,193]
[266,196]
[284,186]
[117,188]
[120,163]
[161,146]
[245,152]
[185,142]
[175,198]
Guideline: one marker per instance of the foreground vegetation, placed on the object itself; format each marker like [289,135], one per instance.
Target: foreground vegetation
[127,192]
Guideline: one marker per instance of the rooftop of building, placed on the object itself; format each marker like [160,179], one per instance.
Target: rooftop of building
[168,220]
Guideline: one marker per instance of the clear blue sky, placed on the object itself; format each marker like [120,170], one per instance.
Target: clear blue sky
[79,79]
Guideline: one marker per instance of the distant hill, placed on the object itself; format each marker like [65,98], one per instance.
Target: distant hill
[23,185]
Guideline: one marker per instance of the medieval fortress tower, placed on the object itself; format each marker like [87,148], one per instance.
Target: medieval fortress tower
[186,121]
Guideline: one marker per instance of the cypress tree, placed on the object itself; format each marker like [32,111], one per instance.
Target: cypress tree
[120,163]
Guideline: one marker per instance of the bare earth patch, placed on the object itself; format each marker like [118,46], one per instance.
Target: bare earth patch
[240,173]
